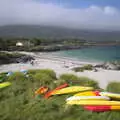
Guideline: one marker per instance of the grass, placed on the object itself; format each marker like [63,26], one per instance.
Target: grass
[17,102]
[113,87]
[83,81]
[81,69]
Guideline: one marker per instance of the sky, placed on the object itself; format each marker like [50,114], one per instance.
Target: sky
[78,14]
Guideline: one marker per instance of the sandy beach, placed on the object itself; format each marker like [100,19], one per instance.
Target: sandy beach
[63,65]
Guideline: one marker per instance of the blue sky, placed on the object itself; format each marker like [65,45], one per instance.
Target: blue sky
[84,3]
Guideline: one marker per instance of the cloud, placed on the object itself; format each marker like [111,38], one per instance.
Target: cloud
[34,12]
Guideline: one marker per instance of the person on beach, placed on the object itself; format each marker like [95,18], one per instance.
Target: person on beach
[32,62]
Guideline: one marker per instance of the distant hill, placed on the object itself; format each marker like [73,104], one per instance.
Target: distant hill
[56,32]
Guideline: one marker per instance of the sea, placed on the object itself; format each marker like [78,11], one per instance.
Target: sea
[93,54]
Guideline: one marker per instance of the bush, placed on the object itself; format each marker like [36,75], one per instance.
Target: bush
[88,67]
[68,77]
[113,87]
[3,77]
[49,72]
[78,69]
[33,71]
[83,81]
[17,76]
[88,82]
[59,82]
[81,69]
[43,78]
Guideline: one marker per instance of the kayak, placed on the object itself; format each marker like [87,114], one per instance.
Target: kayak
[88,93]
[111,95]
[87,98]
[93,102]
[5,84]
[48,94]
[72,89]
[102,108]
[41,90]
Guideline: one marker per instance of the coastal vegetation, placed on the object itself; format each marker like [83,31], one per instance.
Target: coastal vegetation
[113,87]
[40,44]
[18,101]
[81,69]
[49,44]
[75,80]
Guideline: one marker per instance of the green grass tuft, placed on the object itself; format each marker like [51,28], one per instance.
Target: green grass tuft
[113,87]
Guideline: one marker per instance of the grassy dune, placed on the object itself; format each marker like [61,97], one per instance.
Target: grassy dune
[17,102]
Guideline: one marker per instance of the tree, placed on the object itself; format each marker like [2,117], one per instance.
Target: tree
[36,41]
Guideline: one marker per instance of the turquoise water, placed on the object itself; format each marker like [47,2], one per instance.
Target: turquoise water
[100,54]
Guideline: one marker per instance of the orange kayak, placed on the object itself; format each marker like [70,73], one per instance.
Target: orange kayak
[41,90]
[49,93]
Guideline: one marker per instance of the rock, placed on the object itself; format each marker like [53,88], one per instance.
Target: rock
[24,59]
[108,66]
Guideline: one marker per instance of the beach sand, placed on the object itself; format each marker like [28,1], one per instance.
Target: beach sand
[64,65]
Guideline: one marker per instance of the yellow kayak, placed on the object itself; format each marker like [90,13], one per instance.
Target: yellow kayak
[115,107]
[111,95]
[87,93]
[87,98]
[5,84]
[93,102]
[72,89]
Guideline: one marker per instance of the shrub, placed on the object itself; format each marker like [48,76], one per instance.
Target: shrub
[33,71]
[81,69]
[113,87]
[88,67]
[68,77]
[17,76]
[60,82]
[43,78]
[49,72]
[3,77]
[88,82]
[78,69]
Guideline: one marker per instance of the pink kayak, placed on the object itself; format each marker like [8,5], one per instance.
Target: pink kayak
[98,108]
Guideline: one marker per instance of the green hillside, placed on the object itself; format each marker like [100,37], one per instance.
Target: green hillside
[56,32]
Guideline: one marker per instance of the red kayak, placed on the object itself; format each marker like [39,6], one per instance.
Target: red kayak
[48,94]
[97,93]
[98,108]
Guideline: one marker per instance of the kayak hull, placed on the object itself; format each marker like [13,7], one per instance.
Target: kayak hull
[93,102]
[5,84]
[88,93]
[41,90]
[111,95]
[102,108]
[48,94]
[87,98]
[72,89]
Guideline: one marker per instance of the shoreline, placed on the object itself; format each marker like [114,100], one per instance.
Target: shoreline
[63,65]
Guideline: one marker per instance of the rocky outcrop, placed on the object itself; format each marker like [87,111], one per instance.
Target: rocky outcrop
[109,66]
[24,59]
[7,58]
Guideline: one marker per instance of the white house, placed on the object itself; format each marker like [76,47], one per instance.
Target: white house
[19,44]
